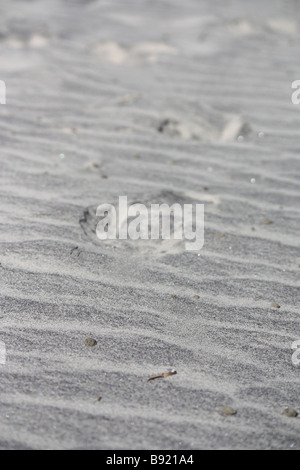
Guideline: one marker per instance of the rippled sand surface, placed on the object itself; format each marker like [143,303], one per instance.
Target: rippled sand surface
[165,101]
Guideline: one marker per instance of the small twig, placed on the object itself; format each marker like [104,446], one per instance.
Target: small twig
[163,375]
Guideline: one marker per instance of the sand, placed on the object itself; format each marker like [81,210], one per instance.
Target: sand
[160,101]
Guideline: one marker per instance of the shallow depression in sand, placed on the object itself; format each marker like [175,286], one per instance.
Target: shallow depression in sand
[156,247]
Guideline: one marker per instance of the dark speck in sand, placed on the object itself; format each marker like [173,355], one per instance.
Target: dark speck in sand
[275,305]
[228,411]
[75,250]
[290,413]
[196,297]
[268,222]
[90,342]
[163,124]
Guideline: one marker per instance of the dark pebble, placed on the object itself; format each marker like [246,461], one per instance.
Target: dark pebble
[228,411]
[90,342]
[290,413]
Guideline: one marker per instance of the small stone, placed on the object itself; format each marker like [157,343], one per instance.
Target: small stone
[196,297]
[290,413]
[90,342]
[228,411]
[275,305]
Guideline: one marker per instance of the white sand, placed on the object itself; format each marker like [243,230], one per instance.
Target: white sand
[94,80]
